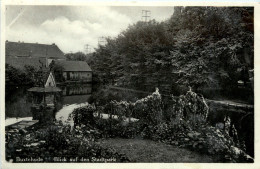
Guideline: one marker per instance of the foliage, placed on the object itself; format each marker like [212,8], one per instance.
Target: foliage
[148,109]
[210,51]
[190,129]
[110,128]
[190,105]
[78,56]
[28,76]
[58,71]
[109,94]
[83,115]
[187,126]
[59,141]
[14,76]
[204,139]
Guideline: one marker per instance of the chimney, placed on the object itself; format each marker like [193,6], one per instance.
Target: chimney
[53,44]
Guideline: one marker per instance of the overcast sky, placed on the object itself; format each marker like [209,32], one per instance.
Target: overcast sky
[71,27]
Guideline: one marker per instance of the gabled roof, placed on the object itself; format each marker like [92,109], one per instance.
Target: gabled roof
[51,79]
[35,50]
[20,63]
[74,66]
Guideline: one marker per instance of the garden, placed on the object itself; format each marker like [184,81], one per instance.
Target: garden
[100,128]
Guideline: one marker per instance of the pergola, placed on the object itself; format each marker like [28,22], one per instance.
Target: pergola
[42,93]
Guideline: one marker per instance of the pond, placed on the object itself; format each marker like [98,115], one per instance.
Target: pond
[17,103]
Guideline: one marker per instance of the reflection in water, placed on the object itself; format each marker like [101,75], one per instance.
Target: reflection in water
[18,102]
[76,90]
[76,94]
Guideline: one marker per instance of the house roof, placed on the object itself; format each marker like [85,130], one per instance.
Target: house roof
[35,50]
[20,63]
[74,66]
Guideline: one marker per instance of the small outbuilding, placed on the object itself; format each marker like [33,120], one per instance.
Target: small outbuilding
[75,71]
[44,99]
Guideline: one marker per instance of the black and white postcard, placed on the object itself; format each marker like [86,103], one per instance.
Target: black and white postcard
[128,83]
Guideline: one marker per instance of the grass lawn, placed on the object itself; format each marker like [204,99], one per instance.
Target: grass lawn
[139,150]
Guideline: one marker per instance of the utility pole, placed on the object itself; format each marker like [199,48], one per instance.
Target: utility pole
[101,41]
[146,15]
[87,49]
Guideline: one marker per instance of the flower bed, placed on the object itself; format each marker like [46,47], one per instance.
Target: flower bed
[58,143]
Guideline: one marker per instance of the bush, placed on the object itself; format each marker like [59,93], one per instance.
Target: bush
[83,115]
[110,128]
[148,109]
[187,126]
[59,141]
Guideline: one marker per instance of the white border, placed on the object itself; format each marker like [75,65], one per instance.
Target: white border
[254,165]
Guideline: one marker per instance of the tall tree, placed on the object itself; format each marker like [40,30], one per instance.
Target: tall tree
[197,46]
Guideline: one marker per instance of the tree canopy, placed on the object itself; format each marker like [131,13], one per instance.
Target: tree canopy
[197,46]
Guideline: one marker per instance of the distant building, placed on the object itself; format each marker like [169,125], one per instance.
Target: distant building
[19,54]
[75,71]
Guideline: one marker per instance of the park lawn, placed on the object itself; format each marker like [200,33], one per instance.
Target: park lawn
[139,150]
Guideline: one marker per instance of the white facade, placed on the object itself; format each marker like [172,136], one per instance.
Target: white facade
[50,81]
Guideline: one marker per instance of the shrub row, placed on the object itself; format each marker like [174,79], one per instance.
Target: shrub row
[187,126]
